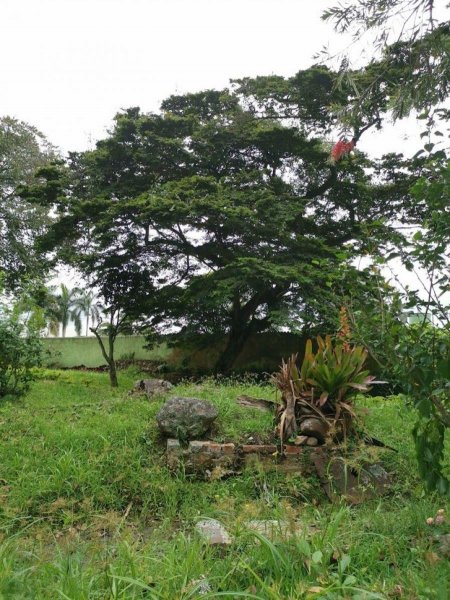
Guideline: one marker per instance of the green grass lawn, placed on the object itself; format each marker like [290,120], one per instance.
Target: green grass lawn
[89,510]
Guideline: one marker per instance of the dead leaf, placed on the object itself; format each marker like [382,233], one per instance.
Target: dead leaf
[432,558]
[397,592]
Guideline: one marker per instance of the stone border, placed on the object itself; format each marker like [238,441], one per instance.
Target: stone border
[211,461]
[204,458]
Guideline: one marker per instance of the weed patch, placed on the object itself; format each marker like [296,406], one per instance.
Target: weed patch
[88,508]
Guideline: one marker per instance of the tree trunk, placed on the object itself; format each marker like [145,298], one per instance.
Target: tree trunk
[244,324]
[87,324]
[111,361]
[108,356]
[113,374]
[236,341]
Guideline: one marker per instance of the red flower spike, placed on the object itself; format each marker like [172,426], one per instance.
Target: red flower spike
[341,148]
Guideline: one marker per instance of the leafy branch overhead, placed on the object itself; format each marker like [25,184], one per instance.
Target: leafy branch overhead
[410,76]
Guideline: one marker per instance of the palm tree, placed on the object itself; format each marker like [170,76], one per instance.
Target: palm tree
[85,304]
[62,309]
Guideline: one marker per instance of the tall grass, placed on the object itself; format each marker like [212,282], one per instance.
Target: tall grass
[88,509]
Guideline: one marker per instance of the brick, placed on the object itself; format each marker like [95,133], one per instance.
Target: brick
[289,450]
[204,458]
[198,446]
[259,449]
[220,448]
[211,447]
[173,445]
[201,457]
[228,448]
[174,454]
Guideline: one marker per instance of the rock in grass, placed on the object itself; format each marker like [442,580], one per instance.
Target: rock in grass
[271,528]
[444,545]
[213,532]
[301,440]
[151,387]
[186,418]
[313,427]
[201,586]
[312,441]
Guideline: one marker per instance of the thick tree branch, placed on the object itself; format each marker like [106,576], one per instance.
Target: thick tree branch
[443,413]
[100,341]
[321,189]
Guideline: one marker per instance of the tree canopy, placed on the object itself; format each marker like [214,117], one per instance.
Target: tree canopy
[225,208]
[23,150]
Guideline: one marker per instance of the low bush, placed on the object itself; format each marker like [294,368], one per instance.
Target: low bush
[20,351]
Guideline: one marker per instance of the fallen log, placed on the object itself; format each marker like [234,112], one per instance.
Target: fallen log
[258,403]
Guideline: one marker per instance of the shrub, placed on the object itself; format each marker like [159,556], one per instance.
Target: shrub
[20,351]
[324,386]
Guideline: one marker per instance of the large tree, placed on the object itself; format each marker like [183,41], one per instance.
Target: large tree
[227,205]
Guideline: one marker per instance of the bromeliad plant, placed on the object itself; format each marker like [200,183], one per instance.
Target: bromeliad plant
[323,388]
[335,370]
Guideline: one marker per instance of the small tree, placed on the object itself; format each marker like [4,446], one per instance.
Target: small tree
[124,297]
[111,328]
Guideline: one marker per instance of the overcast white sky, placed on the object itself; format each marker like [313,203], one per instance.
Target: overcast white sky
[67,66]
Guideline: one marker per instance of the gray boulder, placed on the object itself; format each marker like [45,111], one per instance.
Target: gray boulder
[151,387]
[186,418]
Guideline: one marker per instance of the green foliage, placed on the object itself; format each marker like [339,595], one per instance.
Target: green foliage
[86,304]
[423,359]
[61,308]
[415,359]
[218,214]
[412,72]
[421,356]
[412,69]
[23,150]
[335,370]
[20,351]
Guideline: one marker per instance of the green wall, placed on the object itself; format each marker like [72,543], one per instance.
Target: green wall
[262,352]
[77,351]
